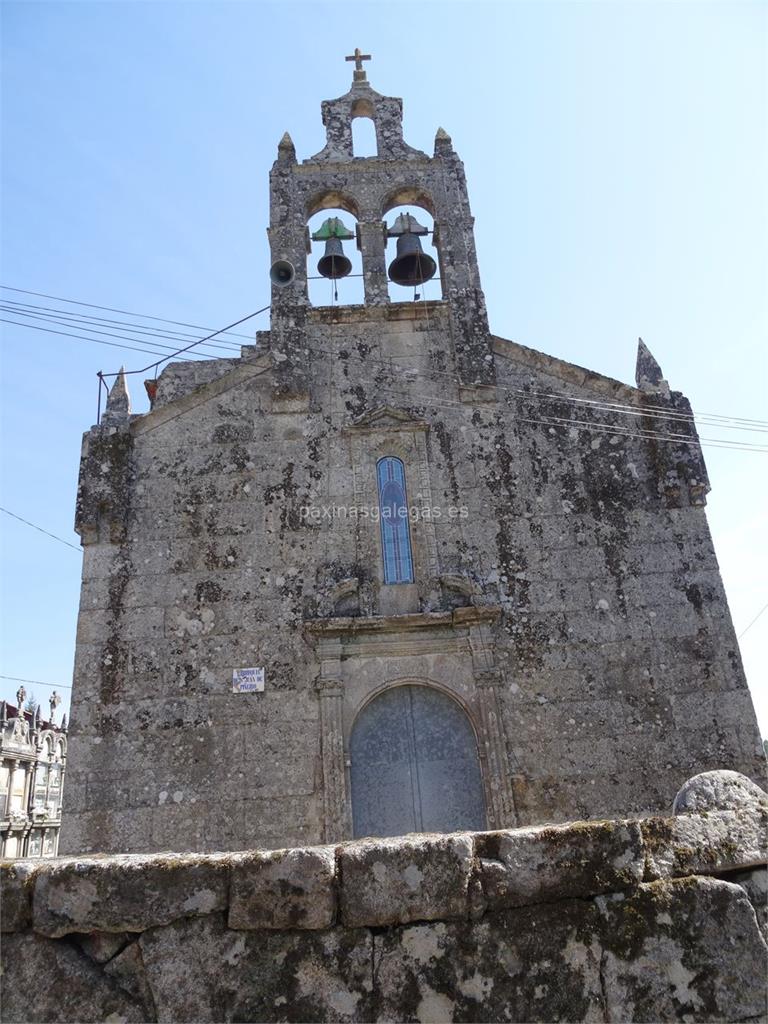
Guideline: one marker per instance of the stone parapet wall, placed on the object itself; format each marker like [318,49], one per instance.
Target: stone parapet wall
[648,919]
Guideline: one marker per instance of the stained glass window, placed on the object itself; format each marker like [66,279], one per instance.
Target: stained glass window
[393,517]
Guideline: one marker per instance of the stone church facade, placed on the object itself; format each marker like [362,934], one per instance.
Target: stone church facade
[539,634]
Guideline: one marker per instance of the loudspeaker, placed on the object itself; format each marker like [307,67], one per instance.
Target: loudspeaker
[282,273]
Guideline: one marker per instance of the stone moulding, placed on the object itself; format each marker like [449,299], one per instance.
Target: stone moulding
[455,619]
[643,914]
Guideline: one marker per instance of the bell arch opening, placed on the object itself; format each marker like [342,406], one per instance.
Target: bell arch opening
[331,199]
[415,765]
[412,256]
[364,142]
[334,263]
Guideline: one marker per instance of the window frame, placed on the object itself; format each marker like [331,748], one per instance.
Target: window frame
[393,566]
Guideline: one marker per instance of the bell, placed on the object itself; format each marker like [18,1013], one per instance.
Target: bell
[411,266]
[334,264]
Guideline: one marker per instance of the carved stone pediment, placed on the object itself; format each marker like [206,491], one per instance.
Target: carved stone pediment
[387,417]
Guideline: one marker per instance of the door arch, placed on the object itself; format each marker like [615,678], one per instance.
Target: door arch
[415,766]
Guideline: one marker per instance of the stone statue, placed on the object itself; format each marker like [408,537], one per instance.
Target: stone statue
[54,700]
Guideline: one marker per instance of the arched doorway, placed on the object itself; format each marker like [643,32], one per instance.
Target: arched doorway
[415,766]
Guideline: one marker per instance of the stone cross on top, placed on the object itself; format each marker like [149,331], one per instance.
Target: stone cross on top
[358,58]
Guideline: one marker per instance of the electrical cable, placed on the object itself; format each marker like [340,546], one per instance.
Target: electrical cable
[96,341]
[446,403]
[111,309]
[37,682]
[620,407]
[586,425]
[763,609]
[65,318]
[669,415]
[108,334]
[41,530]
[153,366]
[648,408]
[612,407]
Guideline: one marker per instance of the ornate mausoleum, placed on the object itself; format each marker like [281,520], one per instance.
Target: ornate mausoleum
[33,755]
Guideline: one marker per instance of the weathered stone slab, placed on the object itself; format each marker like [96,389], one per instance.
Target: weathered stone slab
[535,865]
[128,893]
[127,969]
[48,981]
[394,881]
[755,885]
[16,888]
[718,791]
[201,971]
[708,843]
[527,964]
[688,949]
[284,889]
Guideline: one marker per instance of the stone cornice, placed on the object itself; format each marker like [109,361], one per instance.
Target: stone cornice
[416,311]
[459,618]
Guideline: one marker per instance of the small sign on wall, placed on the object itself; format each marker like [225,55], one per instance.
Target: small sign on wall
[247,680]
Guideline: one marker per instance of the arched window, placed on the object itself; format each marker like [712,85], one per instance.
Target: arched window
[393,520]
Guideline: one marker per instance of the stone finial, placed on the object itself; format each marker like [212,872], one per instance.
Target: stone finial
[118,400]
[63,723]
[286,151]
[3,712]
[443,143]
[648,375]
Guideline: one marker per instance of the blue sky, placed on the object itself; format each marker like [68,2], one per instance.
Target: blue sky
[616,154]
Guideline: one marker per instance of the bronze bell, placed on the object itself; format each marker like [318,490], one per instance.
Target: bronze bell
[412,265]
[334,263]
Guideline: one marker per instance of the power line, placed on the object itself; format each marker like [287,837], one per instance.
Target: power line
[594,404]
[655,411]
[685,439]
[37,682]
[600,428]
[764,608]
[647,434]
[108,333]
[445,403]
[96,341]
[65,318]
[646,410]
[153,366]
[40,529]
[111,309]
[618,406]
